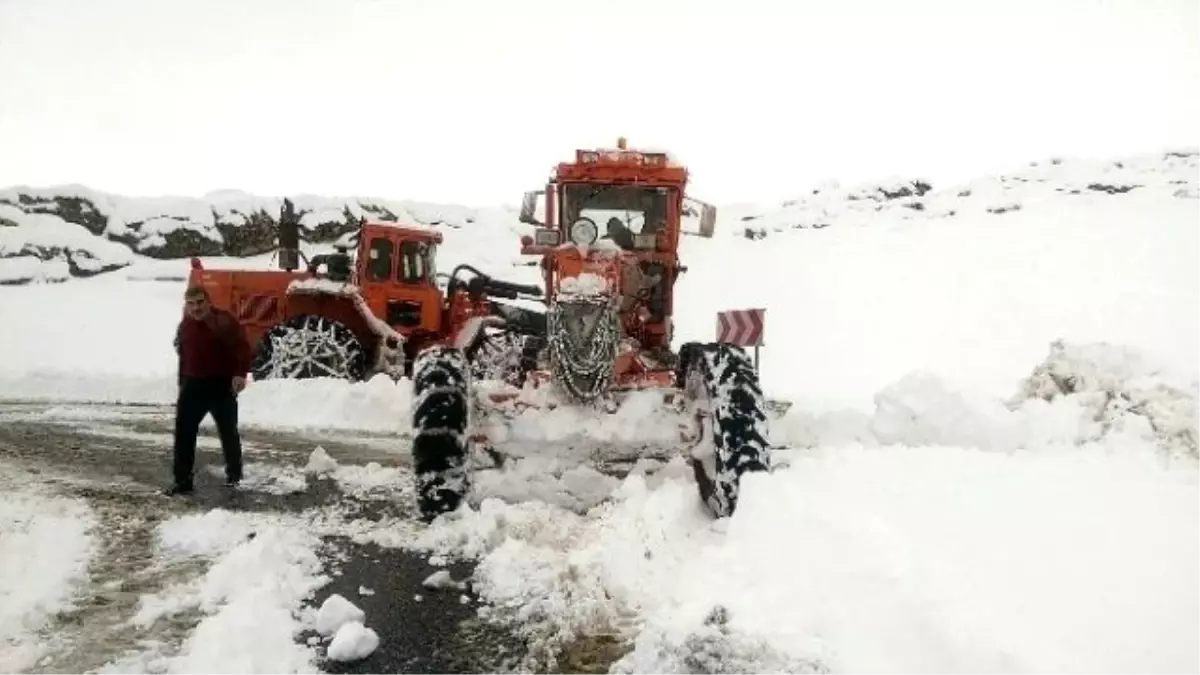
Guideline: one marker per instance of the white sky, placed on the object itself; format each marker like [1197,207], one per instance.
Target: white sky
[473,101]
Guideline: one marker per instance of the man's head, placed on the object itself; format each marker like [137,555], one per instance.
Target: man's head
[196,302]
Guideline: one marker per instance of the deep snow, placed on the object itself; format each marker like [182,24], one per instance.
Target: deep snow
[958,492]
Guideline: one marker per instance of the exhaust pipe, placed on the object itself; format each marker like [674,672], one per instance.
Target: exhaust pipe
[289,237]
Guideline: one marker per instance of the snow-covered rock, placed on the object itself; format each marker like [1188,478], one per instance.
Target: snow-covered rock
[76,232]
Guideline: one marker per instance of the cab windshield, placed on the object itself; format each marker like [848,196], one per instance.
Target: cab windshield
[417,263]
[619,211]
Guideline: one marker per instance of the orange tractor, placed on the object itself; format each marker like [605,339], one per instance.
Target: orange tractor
[608,243]
[354,316]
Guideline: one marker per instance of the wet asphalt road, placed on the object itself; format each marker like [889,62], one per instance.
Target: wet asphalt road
[118,459]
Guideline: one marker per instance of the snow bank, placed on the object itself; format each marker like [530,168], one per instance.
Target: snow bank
[46,545]
[1077,394]
[99,339]
[380,404]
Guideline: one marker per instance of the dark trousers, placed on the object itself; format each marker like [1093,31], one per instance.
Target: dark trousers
[199,397]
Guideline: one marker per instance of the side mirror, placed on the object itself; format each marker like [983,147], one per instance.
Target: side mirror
[708,220]
[529,208]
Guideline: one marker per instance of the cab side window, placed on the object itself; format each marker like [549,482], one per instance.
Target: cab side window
[379,259]
[412,263]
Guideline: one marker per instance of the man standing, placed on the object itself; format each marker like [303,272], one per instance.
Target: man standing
[214,357]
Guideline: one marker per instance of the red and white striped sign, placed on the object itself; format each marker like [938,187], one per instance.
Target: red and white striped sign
[741,327]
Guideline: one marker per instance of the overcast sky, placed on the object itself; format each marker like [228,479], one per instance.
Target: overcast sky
[473,101]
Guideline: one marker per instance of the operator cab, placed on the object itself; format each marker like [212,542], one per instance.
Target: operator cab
[398,254]
[397,276]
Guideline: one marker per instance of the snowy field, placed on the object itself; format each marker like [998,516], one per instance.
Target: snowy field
[957,492]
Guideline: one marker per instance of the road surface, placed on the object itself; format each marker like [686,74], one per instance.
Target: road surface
[118,459]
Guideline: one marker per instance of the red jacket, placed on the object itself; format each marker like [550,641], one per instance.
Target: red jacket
[214,347]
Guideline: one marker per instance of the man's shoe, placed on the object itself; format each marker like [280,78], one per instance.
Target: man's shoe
[232,482]
[177,489]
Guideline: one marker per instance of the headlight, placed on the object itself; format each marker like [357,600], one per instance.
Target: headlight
[584,232]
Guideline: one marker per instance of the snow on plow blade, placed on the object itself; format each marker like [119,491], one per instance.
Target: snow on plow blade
[510,400]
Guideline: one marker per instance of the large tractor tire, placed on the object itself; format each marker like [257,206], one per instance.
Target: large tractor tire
[722,389]
[307,346]
[441,383]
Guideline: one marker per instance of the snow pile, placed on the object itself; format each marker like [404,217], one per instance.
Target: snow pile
[1121,391]
[250,599]
[379,404]
[374,481]
[538,415]
[210,533]
[343,619]
[260,477]
[442,580]
[712,647]
[566,483]
[335,612]
[353,642]
[583,284]
[46,545]
[320,462]
[1080,393]
[371,481]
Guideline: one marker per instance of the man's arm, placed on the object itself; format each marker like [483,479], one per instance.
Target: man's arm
[241,350]
[233,335]
[179,353]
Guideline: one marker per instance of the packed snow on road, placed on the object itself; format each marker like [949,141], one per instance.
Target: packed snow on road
[990,463]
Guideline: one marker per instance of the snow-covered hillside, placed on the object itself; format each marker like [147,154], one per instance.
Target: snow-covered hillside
[1167,174]
[991,463]
[55,233]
